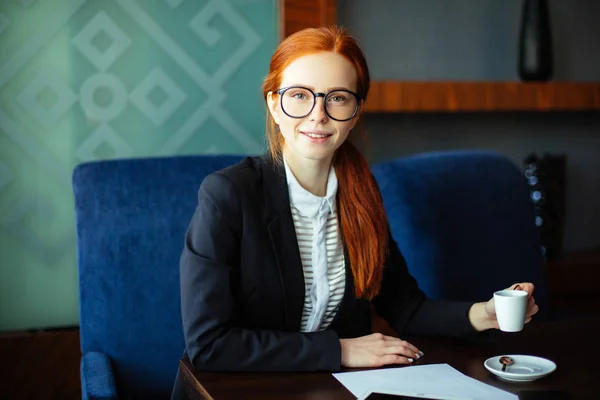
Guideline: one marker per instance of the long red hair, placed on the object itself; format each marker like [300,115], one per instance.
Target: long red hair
[362,216]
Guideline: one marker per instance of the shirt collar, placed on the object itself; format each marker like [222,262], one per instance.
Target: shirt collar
[307,203]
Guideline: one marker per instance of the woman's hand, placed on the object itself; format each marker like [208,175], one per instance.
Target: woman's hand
[377,350]
[483,315]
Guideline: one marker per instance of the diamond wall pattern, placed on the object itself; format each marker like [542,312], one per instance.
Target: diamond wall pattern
[84,80]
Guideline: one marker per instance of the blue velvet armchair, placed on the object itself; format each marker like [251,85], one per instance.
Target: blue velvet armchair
[131,217]
[464,222]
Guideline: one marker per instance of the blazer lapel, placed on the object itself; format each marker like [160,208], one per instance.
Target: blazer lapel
[282,233]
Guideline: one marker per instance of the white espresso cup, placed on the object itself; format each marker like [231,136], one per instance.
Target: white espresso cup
[511,306]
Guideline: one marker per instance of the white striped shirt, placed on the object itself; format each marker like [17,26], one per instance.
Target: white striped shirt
[304,206]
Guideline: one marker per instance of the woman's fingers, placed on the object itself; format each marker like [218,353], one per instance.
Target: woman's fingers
[392,359]
[532,308]
[413,349]
[399,350]
[377,350]
[531,312]
[398,340]
[526,286]
[391,345]
[399,347]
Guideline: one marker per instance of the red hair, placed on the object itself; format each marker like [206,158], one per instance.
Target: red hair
[362,216]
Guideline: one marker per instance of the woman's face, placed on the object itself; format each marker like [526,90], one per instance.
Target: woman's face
[315,136]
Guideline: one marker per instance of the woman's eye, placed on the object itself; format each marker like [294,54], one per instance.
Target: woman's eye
[337,98]
[299,96]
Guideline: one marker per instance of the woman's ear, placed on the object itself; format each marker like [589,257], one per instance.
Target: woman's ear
[273,106]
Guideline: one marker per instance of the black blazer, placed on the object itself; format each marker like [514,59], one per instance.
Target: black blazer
[242,283]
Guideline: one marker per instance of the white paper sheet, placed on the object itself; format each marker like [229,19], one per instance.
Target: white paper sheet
[435,379]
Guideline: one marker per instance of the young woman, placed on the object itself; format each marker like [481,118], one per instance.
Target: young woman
[285,252]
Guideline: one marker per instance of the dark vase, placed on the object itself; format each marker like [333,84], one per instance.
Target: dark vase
[535,42]
[546,177]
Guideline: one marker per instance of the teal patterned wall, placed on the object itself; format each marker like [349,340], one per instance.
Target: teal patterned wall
[84,80]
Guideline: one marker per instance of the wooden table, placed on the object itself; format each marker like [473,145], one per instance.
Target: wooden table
[572,344]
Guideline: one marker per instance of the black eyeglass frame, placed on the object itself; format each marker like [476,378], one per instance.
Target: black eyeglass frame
[282,90]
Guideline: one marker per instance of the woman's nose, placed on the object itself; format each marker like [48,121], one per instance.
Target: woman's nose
[318,113]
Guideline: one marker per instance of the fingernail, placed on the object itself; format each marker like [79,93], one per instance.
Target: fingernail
[421,354]
[410,360]
[417,356]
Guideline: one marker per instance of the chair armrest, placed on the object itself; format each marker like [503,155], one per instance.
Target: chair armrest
[97,378]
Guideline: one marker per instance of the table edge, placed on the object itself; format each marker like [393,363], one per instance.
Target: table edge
[188,375]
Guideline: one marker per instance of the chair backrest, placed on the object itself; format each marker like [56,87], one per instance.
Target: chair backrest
[464,222]
[131,218]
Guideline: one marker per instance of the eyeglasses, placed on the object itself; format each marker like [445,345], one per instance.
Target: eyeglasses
[298,102]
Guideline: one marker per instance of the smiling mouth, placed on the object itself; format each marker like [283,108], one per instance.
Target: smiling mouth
[317,135]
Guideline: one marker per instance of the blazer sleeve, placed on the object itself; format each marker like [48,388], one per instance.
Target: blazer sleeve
[215,338]
[408,311]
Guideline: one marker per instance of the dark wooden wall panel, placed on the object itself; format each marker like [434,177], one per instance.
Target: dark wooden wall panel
[391,96]
[40,365]
[296,15]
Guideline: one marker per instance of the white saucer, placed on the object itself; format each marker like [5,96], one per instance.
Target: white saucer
[525,368]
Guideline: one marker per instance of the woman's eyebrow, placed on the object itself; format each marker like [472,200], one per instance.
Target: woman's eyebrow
[337,88]
[329,89]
